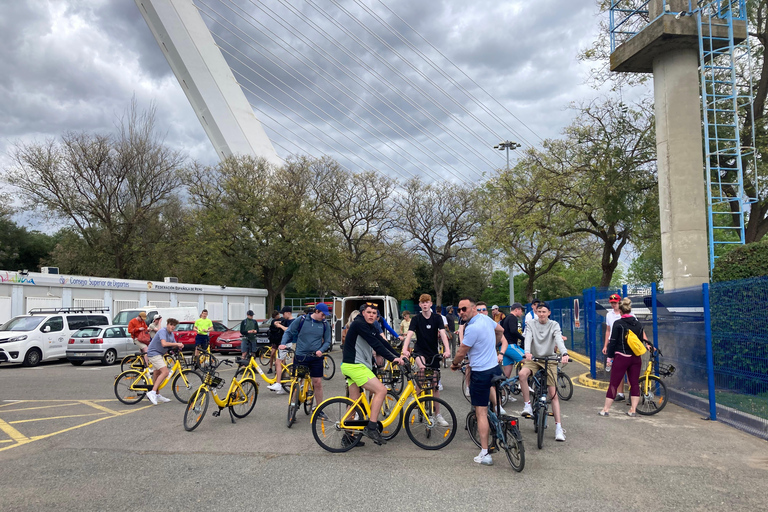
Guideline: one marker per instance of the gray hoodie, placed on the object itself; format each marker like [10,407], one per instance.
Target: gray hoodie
[540,339]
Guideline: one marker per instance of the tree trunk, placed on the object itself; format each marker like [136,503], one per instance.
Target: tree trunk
[438,280]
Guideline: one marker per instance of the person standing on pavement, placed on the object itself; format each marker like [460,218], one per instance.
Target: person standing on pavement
[137,328]
[406,323]
[203,328]
[624,360]
[610,318]
[275,335]
[450,330]
[481,334]
[157,347]
[512,349]
[498,316]
[283,325]
[249,328]
[312,336]
[541,337]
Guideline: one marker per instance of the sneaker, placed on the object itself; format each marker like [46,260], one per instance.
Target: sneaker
[440,385]
[485,460]
[502,411]
[161,398]
[269,372]
[603,413]
[527,411]
[348,439]
[152,395]
[511,399]
[441,421]
[374,435]
[559,433]
[275,387]
[620,397]
[281,391]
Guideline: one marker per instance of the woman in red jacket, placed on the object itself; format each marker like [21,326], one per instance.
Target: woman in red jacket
[137,328]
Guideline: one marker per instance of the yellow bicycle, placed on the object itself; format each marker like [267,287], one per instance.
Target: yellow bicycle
[132,385]
[302,392]
[338,422]
[239,400]
[249,369]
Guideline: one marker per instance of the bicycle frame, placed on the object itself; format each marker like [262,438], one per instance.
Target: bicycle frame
[222,403]
[362,401]
[148,375]
[253,368]
[302,390]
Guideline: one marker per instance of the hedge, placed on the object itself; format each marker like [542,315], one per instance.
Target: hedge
[750,260]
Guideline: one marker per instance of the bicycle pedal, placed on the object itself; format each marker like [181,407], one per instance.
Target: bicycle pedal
[216,414]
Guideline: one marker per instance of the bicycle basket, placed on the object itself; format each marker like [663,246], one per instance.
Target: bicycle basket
[427,378]
[212,380]
[665,370]
[300,371]
[385,376]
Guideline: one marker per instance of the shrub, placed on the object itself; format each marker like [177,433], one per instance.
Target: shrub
[750,260]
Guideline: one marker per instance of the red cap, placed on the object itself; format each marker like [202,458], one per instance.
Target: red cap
[615,298]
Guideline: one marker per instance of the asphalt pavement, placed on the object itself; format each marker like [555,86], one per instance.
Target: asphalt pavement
[66,443]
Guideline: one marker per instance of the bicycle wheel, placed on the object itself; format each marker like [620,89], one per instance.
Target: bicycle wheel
[293,406]
[426,432]
[653,395]
[196,409]
[471,425]
[564,386]
[390,401]
[465,390]
[285,379]
[245,372]
[251,391]
[513,447]
[183,391]
[398,385]
[329,367]
[310,401]
[541,424]
[123,385]
[128,362]
[326,423]
[504,392]
[265,355]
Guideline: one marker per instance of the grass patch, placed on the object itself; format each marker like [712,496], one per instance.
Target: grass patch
[756,405]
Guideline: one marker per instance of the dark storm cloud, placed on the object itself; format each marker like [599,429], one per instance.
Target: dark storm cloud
[321,83]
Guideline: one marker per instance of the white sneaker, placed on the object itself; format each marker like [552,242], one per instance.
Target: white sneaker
[274,387]
[485,460]
[501,410]
[559,433]
[441,421]
[527,411]
[152,395]
[511,399]
[161,398]
[440,385]
[281,391]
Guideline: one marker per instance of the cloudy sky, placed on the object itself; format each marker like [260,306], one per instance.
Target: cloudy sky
[406,87]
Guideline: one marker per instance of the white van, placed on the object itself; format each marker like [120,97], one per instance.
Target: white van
[43,334]
[384,303]
[180,314]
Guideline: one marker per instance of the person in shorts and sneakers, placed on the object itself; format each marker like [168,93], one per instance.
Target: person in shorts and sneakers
[481,334]
[249,328]
[275,335]
[312,336]
[137,328]
[283,324]
[157,348]
[541,337]
[203,328]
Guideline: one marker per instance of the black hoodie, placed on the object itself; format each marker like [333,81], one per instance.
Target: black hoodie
[618,341]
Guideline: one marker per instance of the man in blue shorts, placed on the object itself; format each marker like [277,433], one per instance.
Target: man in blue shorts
[481,334]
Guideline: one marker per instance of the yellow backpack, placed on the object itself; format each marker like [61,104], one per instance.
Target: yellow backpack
[635,345]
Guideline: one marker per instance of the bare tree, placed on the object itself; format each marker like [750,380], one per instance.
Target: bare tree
[104,186]
[440,220]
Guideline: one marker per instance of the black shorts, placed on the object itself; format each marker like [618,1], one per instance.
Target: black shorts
[314,363]
[428,360]
[480,386]
[202,341]
[274,344]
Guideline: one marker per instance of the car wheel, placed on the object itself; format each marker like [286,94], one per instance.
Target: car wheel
[109,358]
[77,363]
[32,357]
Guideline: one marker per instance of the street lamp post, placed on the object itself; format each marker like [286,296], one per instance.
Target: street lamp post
[502,146]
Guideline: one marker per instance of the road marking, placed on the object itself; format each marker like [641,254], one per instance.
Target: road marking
[99,407]
[13,433]
[69,402]
[56,418]
[7,441]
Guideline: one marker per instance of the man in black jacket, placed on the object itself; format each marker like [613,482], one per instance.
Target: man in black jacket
[513,352]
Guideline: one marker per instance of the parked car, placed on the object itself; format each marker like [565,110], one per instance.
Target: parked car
[106,343]
[229,342]
[185,333]
[42,334]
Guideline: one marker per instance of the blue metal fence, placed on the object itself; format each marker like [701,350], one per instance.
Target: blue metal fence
[715,335]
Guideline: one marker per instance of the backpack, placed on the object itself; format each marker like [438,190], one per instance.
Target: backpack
[635,345]
[301,324]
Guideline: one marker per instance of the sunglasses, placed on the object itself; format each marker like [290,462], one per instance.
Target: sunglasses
[464,309]
[482,309]
[372,304]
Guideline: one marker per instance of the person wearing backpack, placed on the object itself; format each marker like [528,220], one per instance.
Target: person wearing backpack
[625,347]
[249,328]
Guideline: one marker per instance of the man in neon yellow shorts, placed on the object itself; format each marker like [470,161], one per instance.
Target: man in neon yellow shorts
[361,340]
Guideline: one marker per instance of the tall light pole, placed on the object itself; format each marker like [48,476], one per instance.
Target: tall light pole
[502,146]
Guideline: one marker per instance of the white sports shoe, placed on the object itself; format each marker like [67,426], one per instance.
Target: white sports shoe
[440,385]
[527,411]
[161,398]
[152,395]
[441,421]
[559,433]
[281,391]
[485,460]
[501,410]
[274,387]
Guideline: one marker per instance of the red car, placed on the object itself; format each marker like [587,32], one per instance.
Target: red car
[229,342]
[185,333]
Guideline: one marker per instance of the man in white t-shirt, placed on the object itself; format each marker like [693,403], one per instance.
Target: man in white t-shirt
[611,317]
[481,334]
[531,315]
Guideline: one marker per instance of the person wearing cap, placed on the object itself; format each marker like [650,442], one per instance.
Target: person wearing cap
[136,327]
[284,324]
[532,313]
[312,336]
[496,313]
[248,328]
[511,346]
[611,317]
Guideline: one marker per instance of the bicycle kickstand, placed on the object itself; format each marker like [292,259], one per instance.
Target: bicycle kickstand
[231,415]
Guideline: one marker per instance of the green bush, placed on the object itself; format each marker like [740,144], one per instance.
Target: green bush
[747,261]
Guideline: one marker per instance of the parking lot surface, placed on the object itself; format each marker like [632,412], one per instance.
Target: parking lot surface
[66,443]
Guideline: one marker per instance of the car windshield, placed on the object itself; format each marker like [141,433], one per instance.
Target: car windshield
[22,323]
[124,317]
[90,332]
[185,326]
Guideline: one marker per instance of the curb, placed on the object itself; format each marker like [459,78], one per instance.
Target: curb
[586,380]
[584,359]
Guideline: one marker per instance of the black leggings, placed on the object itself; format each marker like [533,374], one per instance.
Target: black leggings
[631,365]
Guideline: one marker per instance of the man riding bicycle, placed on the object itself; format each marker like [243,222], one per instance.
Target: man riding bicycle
[541,337]
[361,340]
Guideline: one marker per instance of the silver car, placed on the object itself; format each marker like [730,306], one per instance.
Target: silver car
[107,343]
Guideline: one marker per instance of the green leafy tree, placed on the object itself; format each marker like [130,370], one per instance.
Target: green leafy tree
[21,248]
